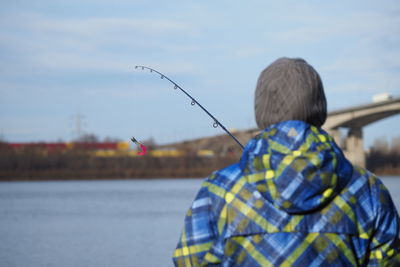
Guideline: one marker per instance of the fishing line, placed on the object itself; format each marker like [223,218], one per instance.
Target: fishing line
[193,102]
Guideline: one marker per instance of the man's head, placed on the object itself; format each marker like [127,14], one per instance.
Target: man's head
[289,89]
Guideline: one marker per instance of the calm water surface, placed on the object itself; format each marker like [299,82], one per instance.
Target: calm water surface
[98,223]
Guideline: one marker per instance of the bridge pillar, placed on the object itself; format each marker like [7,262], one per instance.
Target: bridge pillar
[355,147]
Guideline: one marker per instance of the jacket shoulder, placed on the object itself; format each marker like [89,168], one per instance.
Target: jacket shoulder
[226,178]
[371,194]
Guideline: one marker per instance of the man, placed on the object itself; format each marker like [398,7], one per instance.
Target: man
[293,199]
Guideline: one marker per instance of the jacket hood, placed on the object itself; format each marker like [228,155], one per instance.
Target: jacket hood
[295,166]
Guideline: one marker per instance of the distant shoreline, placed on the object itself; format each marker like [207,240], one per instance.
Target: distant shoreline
[33,165]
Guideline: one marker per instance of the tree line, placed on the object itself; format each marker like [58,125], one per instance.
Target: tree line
[31,163]
[384,157]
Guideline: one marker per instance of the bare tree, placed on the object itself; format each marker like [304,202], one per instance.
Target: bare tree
[88,138]
[150,143]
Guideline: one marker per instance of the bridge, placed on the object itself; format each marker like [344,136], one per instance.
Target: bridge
[352,119]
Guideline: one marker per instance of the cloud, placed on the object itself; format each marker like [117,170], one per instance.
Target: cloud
[96,26]
[368,25]
[94,44]
[364,48]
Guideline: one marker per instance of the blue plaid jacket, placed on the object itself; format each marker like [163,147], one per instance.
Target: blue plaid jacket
[292,200]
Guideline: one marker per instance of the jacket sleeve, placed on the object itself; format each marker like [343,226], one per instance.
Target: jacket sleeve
[385,245]
[200,235]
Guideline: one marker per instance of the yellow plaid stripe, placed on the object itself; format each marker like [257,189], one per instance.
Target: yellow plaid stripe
[257,177]
[377,254]
[241,206]
[187,250]
[252,251]
[266,159]
[254,216]
[345,207]
[272,188]
[294,221]
[278,147]
[211,258]
[299,250]
[344,249]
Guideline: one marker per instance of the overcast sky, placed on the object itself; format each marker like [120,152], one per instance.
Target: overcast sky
[63,58]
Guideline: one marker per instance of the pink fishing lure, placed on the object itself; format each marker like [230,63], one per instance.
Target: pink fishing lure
[143,150]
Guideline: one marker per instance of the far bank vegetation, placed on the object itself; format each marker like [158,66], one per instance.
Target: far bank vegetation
[79,161]
[384,157]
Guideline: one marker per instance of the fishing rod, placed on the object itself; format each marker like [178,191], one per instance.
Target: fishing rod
[194,102]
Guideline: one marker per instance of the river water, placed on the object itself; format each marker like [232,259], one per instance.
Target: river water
[98,223]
